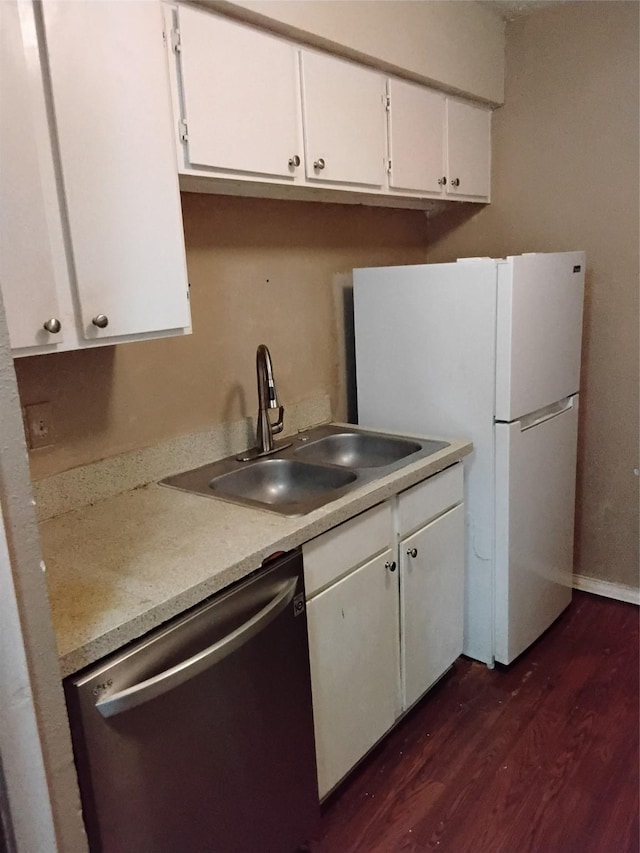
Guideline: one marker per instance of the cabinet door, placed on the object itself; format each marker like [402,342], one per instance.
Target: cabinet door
[416,137]
[240,95]
[432,596]
[353,648]
[112,108]
[468,149]
[27,189]
[344,121]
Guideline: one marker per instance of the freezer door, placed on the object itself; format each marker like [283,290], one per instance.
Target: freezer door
[539,331]
[535,500]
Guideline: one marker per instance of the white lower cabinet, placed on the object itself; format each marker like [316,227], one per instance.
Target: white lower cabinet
[353,643]
[432,601]
[385,612]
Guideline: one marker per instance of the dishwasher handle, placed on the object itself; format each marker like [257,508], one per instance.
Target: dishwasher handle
[159,684]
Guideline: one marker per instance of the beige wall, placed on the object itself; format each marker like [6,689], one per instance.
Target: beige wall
[261,271]
[456,45]
[566,177]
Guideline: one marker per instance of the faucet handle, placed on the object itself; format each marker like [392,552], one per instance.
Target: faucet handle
[279,424]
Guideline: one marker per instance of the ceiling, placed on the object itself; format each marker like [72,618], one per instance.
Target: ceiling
[510,9]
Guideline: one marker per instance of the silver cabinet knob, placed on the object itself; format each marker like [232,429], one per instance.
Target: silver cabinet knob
[442,181]
[390,565]
[53,325]
[294,161]
[455,182]
[318,164]
[412,552]
[101,321]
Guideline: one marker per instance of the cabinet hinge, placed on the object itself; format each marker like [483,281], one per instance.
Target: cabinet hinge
[389,166]
[175,41]
[387,103]
[183,130]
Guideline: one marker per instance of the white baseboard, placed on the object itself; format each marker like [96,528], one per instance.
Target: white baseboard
[619,591]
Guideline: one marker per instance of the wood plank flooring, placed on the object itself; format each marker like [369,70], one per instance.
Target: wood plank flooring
[539,757]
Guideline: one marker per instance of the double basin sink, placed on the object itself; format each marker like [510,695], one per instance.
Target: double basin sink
[308,471]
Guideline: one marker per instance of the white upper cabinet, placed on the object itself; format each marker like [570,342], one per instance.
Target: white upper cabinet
[344,121]
[28,269]
[416,138]
[257,114]
[27,265]
[112,112]
[240,97]
[468,149]
[438,146]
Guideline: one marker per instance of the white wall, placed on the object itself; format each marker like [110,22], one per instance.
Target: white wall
[457,45]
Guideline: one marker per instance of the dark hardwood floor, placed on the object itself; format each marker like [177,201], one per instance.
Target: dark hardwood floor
[539,757]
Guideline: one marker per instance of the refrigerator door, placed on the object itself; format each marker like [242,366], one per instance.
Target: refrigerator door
[535,499]
[539,331]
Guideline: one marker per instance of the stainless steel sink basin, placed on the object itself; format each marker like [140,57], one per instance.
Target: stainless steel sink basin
[282,485]
[361,450]
[280,481]
[312,469]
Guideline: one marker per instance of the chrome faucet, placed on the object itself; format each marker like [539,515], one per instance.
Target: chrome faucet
[267,399]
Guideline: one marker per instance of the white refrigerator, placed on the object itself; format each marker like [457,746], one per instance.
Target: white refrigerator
[490,350]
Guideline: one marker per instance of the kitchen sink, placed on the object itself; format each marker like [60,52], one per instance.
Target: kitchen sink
[362,450]
[313,468]
[280,481]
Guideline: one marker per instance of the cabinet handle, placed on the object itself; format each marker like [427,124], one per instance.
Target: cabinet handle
[319,164]
[53,326]
[442,181]
[390,565]
[294,161]
[455,182]
[101,321]
[412,552]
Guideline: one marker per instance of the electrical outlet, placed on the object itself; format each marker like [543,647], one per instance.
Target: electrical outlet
[38,424]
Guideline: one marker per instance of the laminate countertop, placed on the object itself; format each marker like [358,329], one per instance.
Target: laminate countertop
[125,565]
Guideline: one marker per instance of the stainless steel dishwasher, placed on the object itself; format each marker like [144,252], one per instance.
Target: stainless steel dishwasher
[200,737]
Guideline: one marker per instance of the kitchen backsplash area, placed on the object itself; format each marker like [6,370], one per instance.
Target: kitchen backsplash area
[86,484]
[261,271]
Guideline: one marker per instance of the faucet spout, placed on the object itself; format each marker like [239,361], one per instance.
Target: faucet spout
[267,399]
[267,394]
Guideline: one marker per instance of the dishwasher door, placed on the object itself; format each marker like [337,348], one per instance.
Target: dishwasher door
[200,738]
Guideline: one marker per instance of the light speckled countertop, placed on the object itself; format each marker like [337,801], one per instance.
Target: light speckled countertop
[126,564]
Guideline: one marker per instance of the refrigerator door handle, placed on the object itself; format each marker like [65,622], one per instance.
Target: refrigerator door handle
[153,687]
[546,414]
